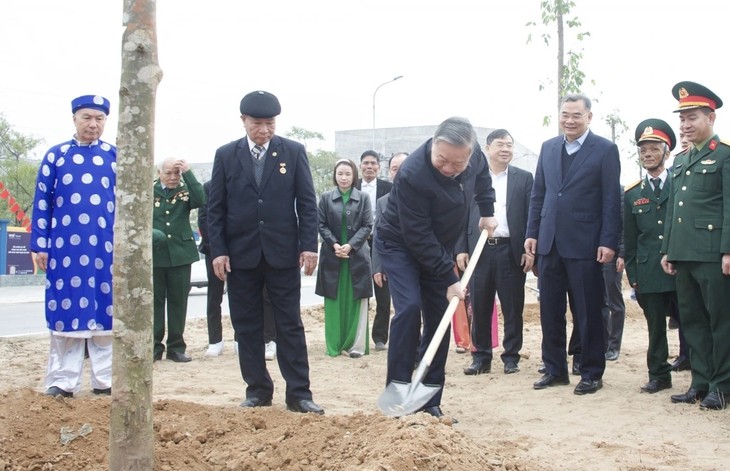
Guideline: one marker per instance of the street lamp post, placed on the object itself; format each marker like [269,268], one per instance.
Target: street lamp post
[375,93]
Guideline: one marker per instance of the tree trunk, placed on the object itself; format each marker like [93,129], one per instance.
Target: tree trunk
[561,58]
[131,438]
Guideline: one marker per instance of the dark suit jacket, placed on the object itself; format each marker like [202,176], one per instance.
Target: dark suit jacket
[582,211]
[381,189]
[519,186]
[277,219]
[203,222]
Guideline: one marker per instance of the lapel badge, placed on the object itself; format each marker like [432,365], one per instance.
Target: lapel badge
[713,145]
[707,162]
[282,166]
[157,202]
[274,154]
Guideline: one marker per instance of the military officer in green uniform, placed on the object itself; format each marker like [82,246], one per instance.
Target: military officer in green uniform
[696,245]
[176,193]
[645,209]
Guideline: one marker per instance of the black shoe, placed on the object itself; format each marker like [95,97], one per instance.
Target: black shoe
[656,385]
[157,357]
[436,412]
[255,402]
[478,367]
[102,392]
[588,386]
[511,367]
[672,324]
[55,391]
[576,368]
[355,354]
[178,357]
[692,396]
[714,401]
[681,364]
[542,369]
[549,380]
[305,405]
[611,354]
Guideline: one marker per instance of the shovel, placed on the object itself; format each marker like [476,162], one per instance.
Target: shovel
[401,398]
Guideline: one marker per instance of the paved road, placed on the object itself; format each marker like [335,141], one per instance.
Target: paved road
[21,307]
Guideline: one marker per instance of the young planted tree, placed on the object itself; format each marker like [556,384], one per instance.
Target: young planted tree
[131,438]
[320,161]
[17,174]
[555,17]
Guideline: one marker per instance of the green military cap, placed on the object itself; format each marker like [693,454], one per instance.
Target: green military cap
[692,95]
[653,129]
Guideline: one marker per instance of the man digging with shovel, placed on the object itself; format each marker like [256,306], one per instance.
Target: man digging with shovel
[416,237]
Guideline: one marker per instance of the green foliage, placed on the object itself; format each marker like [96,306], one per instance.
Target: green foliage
[17,171]
[322,163]
[570,78]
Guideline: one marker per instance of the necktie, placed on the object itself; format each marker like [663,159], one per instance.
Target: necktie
[258,166]
[657,186]
[257,151]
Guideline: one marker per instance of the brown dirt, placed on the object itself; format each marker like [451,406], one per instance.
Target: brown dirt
[504,424]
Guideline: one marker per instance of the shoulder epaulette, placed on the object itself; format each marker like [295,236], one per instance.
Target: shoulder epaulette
[727,143]
[632,185]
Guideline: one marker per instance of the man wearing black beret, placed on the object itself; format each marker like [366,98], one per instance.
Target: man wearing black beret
[262,225]
[696,245]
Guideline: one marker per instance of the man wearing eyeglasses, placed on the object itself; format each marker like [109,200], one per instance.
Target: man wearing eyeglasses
[573,228]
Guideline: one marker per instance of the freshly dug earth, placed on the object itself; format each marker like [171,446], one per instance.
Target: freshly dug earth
[503,422]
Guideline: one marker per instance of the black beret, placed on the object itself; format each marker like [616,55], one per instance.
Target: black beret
[655,130]
[260,104]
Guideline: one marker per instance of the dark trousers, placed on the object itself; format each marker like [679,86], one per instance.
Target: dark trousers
[413,291]
[171,286]
[614,310]
[584,279]
[704,299]
[381,322]
[245,299]
[655,307]
[496,273]
[215,298]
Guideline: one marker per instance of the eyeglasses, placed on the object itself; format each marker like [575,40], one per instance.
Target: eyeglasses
[574,116]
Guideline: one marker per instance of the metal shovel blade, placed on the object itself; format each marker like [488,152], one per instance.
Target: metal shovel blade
[400,398]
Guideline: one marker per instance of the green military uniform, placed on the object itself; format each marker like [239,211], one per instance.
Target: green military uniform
[172,257]
[696,237]
[644,219]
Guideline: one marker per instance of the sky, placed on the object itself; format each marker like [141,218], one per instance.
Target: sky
[325,59]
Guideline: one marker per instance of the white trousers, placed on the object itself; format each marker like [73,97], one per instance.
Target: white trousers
[362,325]
[66,362]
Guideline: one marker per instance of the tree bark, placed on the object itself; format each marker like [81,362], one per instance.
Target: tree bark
[131,437]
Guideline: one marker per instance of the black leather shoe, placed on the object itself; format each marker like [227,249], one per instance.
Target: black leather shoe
[102,392]
[611,355]
[588,386]
[256,402]
[438,413]
[656,385]
[305,405]
[713,401]
[549,380]
[55,391]
[157,357]
[178,357]
[576,368]
[511,367]
[692,396]
[681,364]
[672,324]
[542,369]
[478,367]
